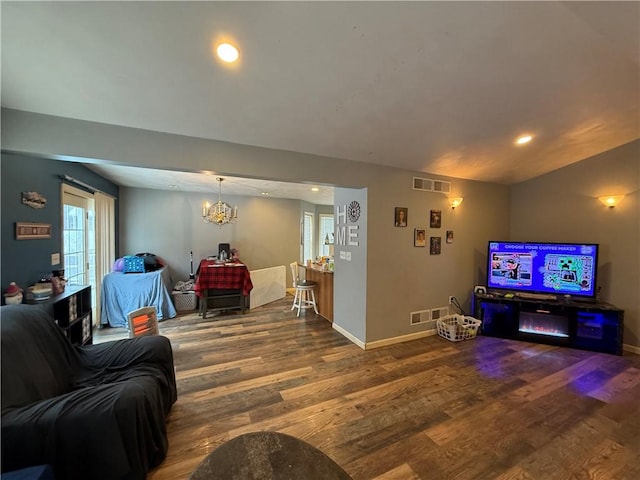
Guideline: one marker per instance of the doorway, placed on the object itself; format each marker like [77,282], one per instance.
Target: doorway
[79,239]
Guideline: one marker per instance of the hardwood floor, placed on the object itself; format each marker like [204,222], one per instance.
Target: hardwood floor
[427,409]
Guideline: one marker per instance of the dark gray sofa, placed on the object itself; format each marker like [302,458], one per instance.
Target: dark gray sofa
[92,412]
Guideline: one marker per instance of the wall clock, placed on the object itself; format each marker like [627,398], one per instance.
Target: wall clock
[353,211]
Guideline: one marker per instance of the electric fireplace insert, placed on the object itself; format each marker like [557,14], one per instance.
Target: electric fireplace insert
[598,327]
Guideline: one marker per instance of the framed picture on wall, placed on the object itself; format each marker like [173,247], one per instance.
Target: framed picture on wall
[449,236]
[29,231]
[434,245]
[435,219]
[420,237]
[401,216]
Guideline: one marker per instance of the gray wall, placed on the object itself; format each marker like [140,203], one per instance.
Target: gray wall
[169,224]
[26,261]
[350,277]
[408,278]
[562,206]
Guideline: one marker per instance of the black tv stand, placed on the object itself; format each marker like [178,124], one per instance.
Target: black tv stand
[587,325]
[536,296]
[591,301]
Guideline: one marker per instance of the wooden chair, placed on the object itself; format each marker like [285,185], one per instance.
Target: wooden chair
[305,296]
[143,321]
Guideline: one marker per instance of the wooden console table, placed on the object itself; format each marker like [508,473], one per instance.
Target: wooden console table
[323,291]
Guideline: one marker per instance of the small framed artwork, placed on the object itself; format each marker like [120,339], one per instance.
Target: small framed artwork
[401,216]
[27,231]
[449,236]
[420,237]
[436,219]
[33,199]
[434,245]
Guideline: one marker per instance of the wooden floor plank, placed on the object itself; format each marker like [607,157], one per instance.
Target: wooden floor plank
[403,472]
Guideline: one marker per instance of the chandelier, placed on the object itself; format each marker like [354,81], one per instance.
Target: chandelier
[219,212]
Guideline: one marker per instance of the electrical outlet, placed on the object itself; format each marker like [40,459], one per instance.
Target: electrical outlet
[451,297]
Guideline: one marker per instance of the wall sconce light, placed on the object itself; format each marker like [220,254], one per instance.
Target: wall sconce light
[455,202]
[611,200]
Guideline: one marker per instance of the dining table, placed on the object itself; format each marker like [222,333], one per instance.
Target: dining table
[222,285]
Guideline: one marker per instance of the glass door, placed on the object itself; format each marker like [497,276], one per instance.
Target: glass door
[78,239]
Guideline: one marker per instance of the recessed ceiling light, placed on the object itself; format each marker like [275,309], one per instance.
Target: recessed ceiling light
[227,52]
[522,139]
[315,189]
[264,193]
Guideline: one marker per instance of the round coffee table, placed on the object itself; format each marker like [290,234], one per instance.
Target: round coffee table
[268,456]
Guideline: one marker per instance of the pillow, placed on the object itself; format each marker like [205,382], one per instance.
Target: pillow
[118,266]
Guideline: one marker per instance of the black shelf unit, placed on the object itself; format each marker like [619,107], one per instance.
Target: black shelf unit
[571,323]
[71,311]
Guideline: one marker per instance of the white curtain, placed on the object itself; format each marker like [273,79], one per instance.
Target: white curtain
[105,242]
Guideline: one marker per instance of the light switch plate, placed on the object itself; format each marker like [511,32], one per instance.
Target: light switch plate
[55,259]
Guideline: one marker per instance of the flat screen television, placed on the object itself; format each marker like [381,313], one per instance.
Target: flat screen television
[548,268]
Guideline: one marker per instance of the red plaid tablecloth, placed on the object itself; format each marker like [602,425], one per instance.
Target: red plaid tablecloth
[213,275]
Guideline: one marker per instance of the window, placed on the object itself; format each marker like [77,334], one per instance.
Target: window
[325,239]
[307,237]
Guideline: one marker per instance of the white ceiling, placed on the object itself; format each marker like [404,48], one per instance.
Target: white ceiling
[197,182]
[438,87]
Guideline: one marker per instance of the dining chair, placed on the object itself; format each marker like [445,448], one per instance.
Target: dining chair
[305,296]
[143,321]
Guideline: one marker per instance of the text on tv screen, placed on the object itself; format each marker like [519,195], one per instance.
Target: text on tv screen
[555,268]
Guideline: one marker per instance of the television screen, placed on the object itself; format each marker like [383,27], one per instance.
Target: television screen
[550,268]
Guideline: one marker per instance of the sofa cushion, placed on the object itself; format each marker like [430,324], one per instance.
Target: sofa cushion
[40,368]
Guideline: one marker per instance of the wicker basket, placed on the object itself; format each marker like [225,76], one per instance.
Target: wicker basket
[458,327]
[185,300]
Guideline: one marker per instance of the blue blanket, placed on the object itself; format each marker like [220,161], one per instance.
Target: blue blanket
[125,292]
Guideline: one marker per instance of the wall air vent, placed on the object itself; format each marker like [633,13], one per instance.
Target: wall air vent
[438,313]
[441,186]
[429,185]
[420,317]
[423,184]
[428,316]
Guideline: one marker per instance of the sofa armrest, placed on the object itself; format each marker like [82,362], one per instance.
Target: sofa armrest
[127,352]
[129,358]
